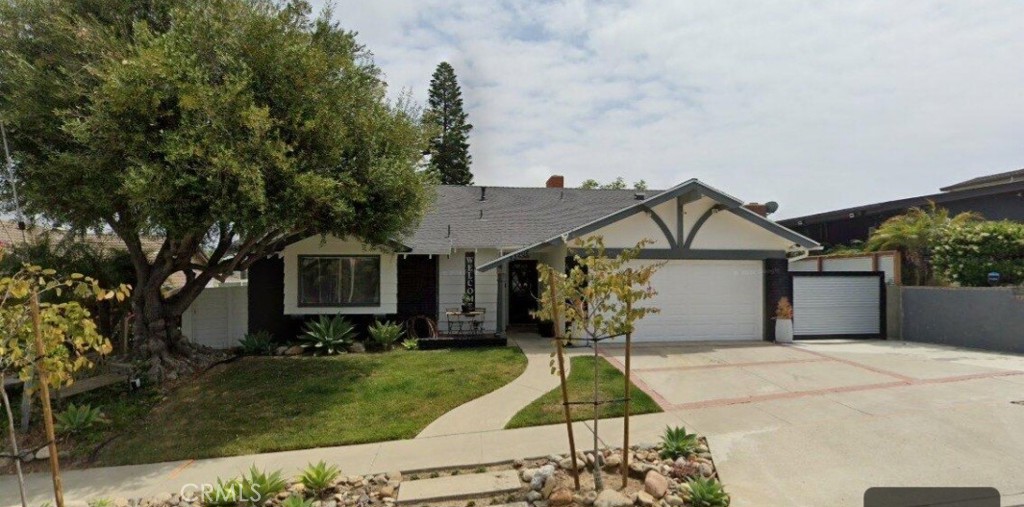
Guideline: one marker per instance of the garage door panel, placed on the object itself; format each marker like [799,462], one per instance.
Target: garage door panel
[706,301]
[830,304]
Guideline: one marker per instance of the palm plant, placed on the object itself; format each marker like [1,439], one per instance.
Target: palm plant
[914,232]
[327,335]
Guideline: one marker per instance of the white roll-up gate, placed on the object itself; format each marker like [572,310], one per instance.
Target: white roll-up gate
[847,304]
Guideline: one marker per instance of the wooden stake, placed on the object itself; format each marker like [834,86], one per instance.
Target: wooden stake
[625,425]
[561,377]
[44,391]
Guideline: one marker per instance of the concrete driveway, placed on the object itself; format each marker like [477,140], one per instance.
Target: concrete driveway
[817,423]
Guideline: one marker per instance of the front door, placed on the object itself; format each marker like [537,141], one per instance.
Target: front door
[522,291]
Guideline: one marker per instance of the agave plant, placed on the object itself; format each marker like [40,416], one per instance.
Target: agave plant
[677,443]
[327,335]
[297,501]
[410,344]
[259,486]
[257,344]
[77,419]
[222,493]
[707,493]
[386,334]
[320,477]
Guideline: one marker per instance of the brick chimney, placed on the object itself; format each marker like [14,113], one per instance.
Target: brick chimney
[555,181]
[756,207]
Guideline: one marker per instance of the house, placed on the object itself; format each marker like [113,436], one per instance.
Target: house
[996,196]
[725,264]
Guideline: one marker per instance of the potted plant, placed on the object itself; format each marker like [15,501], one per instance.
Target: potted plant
[784,321]
[467,303]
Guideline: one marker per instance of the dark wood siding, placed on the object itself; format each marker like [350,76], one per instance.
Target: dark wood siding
[776,285]
[266,299]
[417,286]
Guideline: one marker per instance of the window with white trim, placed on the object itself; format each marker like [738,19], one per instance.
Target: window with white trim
[342,280]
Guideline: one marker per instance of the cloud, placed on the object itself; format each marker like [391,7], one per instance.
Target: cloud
[817,106]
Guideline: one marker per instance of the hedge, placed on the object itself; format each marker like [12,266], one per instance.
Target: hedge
[966,254]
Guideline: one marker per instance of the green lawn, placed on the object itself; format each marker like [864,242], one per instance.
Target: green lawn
[611,385]
[263,404]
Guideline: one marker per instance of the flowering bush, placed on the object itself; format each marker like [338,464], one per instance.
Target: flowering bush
[965,254]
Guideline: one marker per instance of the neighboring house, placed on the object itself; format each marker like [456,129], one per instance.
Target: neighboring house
[996,196]
[724,264]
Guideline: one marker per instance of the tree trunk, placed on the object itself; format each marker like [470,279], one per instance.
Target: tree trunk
[14,439]
[157,334]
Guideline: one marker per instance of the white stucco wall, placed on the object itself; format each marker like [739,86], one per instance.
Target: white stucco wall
[626,233]
[337,246]
[452,285]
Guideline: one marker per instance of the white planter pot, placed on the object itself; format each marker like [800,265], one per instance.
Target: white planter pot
[784,330]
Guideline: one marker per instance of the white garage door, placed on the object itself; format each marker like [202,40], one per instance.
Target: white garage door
[706,300]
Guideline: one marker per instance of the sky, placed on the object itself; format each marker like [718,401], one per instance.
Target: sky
[814,105]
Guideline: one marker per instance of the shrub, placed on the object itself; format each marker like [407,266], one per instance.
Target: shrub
[259,486]
[222,493]
[100,502]
[296,501]
[319,477]
[707,493]
[327,335]
[677,443]
[78,419]
[259,343]
[386,334]
[410,344]
[965,254]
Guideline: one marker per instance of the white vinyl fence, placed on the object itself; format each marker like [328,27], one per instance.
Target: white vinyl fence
[219,317]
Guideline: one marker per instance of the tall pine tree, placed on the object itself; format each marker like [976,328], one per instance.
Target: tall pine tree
[449,148]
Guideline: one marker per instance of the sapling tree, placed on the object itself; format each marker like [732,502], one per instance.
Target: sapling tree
[600,298]
[52,341]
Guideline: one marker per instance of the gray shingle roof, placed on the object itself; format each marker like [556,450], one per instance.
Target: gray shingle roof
[991,179]
[512,216]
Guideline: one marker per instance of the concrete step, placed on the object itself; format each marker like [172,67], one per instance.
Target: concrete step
[458,486]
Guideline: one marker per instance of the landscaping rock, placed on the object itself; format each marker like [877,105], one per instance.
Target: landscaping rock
[656,484]
[566,464]
[43,453]
[644,499]
[586,498]
[533,496]
[387,491]
[294,350]
[527,474]
[613,462]
[611,498]
[395,476]
[674,501]
[280,351]
[706,470]
[356,348]
[560,497]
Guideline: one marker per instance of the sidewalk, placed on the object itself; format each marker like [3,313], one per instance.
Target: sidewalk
[494,410]
[402,455]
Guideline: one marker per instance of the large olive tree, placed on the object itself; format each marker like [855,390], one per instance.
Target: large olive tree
[227,127]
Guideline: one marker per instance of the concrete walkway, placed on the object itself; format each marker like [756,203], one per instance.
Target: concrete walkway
[494,410]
